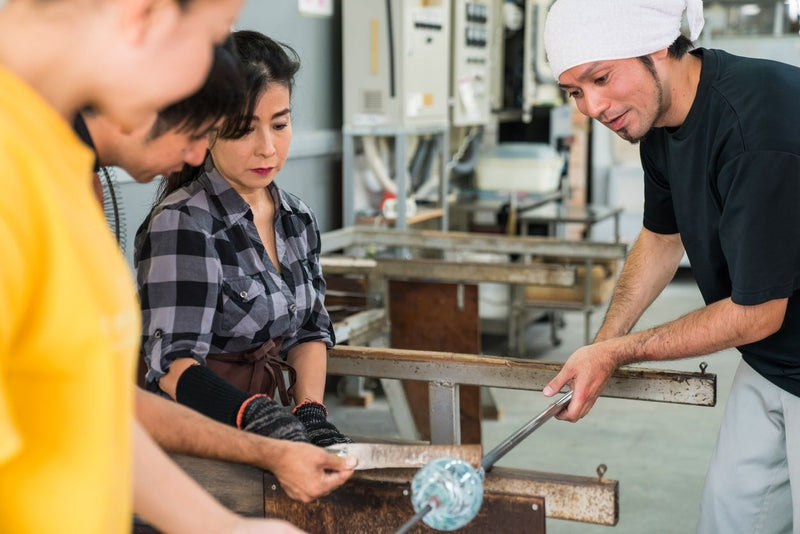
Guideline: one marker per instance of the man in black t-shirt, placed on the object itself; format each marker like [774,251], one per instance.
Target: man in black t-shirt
[721,158]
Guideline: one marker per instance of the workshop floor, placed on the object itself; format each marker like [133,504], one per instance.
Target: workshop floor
[658,452]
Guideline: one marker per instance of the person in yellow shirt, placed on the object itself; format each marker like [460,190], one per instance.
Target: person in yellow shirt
[72,457]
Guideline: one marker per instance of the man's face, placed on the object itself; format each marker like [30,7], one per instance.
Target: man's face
[146,157]
[624,94]
[158,56]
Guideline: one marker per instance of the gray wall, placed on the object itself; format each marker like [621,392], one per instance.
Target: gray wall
[313,171]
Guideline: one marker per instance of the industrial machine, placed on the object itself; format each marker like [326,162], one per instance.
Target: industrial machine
[473,34]
[395,57]
[521,77]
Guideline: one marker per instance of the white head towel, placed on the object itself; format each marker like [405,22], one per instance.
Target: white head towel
[583,31]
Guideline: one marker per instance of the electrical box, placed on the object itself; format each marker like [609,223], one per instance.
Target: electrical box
[538,84]
[520,75]
[395,56]
[473,29]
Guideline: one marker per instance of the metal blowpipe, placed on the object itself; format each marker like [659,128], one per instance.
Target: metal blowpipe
[516,438]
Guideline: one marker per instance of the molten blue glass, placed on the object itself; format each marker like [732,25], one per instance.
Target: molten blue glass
[454,490]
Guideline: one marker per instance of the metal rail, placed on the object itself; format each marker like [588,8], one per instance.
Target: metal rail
[362,236]
[453,272]
[678,387]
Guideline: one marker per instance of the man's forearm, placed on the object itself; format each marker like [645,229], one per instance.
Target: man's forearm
[168,498]
[716,327]
[179,429]
[305,471]
[649,267]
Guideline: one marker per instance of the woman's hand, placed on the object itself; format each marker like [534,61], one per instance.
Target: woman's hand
[321,432]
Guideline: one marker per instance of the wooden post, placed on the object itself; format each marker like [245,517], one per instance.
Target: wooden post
[437,317]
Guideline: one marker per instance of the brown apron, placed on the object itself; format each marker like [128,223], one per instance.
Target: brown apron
[256,371]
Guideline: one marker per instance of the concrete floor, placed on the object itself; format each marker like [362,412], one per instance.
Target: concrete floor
[658,452]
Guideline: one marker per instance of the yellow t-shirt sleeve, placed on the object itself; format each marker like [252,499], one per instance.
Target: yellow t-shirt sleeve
[9,272]
[12,283]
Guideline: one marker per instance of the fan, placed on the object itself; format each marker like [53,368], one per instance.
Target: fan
[112,205]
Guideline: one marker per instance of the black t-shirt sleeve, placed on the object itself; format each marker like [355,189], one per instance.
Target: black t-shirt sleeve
[659,216]
[760,225]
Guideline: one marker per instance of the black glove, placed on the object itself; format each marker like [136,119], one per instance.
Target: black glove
[262,415]
[314,415]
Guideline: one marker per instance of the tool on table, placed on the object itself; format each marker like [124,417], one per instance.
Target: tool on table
[388,455]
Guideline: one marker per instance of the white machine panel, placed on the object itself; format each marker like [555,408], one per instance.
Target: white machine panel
[472,40]
[538,84]
[395,56]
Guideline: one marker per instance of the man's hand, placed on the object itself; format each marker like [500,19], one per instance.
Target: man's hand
[307,472]
[588,371]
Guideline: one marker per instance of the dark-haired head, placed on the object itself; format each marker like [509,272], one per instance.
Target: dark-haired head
[262,62]
[218,99]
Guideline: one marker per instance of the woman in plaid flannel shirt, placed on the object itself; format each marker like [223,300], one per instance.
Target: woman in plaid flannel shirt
[228,270]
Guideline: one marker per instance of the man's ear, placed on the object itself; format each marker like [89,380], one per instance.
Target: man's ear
[140,16]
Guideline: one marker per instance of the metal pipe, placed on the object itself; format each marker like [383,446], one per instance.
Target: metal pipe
[516,438]
[416,518]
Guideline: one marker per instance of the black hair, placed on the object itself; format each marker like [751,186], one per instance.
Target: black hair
[217,99]
[262,61]
[679,48]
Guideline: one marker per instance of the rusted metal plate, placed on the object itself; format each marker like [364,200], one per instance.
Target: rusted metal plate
[378,505]
[587,500]
[574,498]
[437,317]
[469,242]
[639,383]
[377,500]
[455,272]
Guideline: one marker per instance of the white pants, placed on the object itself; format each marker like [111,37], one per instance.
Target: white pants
[753,482]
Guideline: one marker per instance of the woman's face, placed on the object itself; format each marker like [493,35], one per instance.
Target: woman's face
[157,56]
[251,163]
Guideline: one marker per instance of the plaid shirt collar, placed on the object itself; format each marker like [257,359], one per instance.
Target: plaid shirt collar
[232,207]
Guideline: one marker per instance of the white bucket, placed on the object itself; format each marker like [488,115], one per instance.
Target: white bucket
[493,299]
